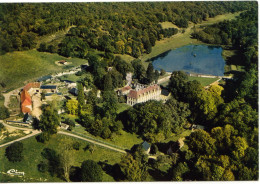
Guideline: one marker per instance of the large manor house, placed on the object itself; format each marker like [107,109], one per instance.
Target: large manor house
[143,93]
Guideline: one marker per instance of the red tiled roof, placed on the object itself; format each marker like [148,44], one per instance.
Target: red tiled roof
[62,61]
[26,109]
[126,88]
[135,94]
[25,95]
[31,85]
[25,101]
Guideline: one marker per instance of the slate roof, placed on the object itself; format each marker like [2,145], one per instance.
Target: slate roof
[27,117]
[165,92]
[74,91]
[145,145]
[135,94]
[50,94]
[48,87]
[44,78]
[67,81]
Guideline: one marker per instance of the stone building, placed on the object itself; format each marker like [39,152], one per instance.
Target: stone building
[140,95]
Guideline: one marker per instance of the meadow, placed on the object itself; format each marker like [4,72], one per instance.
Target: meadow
[32,157]
[21,67]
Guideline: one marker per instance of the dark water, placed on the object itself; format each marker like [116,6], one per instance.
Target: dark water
[200,59]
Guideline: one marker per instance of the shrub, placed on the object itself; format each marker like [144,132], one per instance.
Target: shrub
[14,152]
[4,112]
[42,167]
[1,127]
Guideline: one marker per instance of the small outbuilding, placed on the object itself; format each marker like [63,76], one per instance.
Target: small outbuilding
[63,62]
[45,78]
[27,118]
[146,146]
[74,91]
[49,88]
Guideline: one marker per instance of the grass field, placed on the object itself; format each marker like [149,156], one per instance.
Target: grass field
[32,157]
[20,67]
[122,107]
[204,81]
[124,141]
[166,25]
[72,77]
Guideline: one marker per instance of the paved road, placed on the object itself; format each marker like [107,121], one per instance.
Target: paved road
[35,132]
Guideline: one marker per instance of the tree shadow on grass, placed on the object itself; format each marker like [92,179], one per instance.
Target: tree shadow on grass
[75,174]
[53,162]
[112,170]
[158,175]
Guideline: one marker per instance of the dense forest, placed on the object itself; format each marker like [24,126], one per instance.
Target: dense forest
[226,150]
[125,28]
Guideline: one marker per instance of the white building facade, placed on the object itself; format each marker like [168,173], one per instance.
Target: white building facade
[152,92]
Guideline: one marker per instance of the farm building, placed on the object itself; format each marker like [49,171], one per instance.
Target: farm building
[146,146]
[49,88]
[32,87]
[26,102]
[45,78]
[165,95]
[63,62]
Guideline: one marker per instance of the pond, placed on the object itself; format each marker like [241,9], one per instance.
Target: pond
[199,59]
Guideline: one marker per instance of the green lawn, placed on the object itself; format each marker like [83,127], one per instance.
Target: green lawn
[122,107]
[124,141]
[32,157]
[20,67]
[72,77]
[166,25]
[204,81]
[175,137]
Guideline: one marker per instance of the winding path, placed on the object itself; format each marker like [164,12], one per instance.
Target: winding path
[35,132]
[94,142]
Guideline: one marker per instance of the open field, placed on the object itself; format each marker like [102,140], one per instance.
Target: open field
[32,157]
[122,107]
[20,67]
[53,39]
[204,81]
[125,140]
[166,25]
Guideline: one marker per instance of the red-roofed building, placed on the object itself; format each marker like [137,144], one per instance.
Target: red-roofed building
[26,102]
[152,92]
[32,87]
[124,91]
